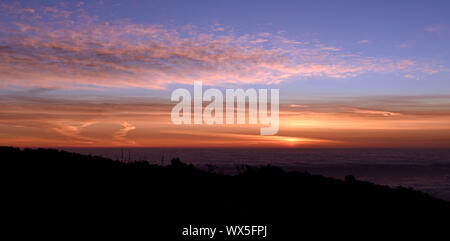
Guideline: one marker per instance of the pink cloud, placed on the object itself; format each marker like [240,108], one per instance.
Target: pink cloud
[438,29]
[364,41]
[87,52]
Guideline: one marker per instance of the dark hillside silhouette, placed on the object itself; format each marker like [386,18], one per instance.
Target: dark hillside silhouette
[57,194]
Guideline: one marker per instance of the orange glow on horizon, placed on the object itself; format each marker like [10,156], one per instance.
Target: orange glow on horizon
[130,125]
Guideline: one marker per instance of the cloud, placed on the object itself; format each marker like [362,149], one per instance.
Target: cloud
[246,139]
[402,45]
[364,41]
[79,51]
[297,106]
[218,28]
[438,29]
[122,133]
[72,132]
[56,12]
[264,34]
[290,41]
[327,48]
[15,8]
[410,76]
[375,112]
[55,120]
[258,40]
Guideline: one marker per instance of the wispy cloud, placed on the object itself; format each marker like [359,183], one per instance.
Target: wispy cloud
[122,133]
[375,112]
[218,28]
[82,51]
[402,45]
[34,118]
[73,132]
[438,29]
[297,106]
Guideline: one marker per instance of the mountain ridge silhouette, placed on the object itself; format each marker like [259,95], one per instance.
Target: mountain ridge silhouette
[63,194]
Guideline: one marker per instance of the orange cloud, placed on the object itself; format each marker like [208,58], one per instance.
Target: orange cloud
[375,112]
[32,120]
[122,133]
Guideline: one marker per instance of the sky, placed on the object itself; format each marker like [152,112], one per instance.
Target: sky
[101,73]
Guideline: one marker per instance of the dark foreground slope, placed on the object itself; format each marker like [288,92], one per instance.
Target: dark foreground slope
[54,194]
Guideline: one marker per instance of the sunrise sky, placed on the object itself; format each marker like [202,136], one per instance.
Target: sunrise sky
[100,73]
